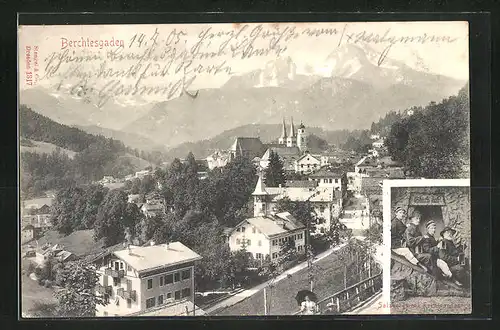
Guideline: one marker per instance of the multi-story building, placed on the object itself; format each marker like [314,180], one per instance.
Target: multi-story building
[326,201]
[307,163]
[264,235]
[331,177]
[141,279]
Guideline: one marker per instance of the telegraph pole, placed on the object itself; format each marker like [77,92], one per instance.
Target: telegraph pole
[265,300]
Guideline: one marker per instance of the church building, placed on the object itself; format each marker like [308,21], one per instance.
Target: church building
[291,146]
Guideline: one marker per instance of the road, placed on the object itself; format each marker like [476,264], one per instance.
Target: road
[249,292]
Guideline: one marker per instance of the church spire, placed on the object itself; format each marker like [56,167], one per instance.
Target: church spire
[283,130]
[292,129]
[260,187]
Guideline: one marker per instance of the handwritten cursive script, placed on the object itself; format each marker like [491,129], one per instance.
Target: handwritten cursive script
[167,62]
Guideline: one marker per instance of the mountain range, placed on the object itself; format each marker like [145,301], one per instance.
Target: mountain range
[350,90]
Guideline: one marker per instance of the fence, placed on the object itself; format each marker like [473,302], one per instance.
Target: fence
[350,297]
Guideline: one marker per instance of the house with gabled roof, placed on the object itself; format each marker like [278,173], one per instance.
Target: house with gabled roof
[263,235]
[288,155]
[307,163]
[247,147]
[328,176]
[146,280]
[326,201]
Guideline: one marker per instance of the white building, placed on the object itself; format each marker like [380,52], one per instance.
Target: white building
[378,144]
[218,159]
[147,280]
[327,202]
[330,178]
[263,235]
[152,210]
[141,174]
[307,163]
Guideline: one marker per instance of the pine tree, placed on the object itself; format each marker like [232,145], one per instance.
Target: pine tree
[274,174]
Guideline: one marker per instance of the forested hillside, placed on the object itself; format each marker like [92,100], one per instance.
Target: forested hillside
[434,142]
[95,155]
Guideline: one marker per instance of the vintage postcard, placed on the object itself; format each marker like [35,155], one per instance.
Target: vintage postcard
[238,168]
[428,238]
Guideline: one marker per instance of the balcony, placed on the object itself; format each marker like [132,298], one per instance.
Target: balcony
[114,273]
[126,294]
[104,289]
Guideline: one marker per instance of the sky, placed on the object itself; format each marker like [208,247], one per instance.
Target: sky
[449,58]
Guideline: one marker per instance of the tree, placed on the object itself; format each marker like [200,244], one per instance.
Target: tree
[77,298]
[191,180]
[147,185]
[136,186]
[113,217]
[375,233]
[287,254]
[94,195]
[146,228]
[226,194]
[274,173]
[240,263]
[68,209]
[300,210]
[216,269]
[338,232]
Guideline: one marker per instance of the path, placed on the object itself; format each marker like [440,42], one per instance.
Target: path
[249,292]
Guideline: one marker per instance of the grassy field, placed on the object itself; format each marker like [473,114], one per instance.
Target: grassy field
[80,242]
[32,293]
[329,278]
[44,147]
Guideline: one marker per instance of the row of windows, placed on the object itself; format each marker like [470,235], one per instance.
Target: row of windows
[161,299]
[119,265]
[242,230]
[171,278]
[299,248]
[284,239]
[309,165]
[249,242]
[117,301]
[260,256]
[328,180]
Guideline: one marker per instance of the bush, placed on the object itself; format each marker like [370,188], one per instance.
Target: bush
[30,269]
[38,271]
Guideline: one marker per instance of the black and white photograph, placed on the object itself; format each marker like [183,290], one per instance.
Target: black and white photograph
[238,169]
[430,241]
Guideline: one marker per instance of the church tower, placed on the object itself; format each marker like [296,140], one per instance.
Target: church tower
[260,198]
[282,139]
[302,137]
[291,140]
